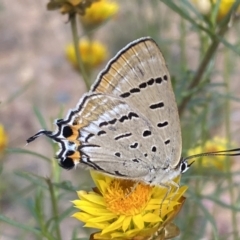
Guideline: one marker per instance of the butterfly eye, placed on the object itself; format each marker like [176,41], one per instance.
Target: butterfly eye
[184,167]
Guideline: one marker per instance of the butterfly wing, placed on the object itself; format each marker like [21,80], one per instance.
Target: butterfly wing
[128,124]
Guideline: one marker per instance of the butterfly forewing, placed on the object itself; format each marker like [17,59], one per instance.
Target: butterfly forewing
[139,76]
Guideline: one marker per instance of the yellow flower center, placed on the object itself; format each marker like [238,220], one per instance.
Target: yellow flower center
[126,197]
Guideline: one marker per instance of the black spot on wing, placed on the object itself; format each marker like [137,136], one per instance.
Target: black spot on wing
[142,85]
[150,82]
[125,95]
[154,149]
[123,118]
[86,146]
[66,163]
[113,121]
[135,160]
[147,133]
[165,77]
[167,141]
[132,115]
[134,145]
[103,124]
[89,136]
[162,124]
[157,105]
[158,80]
[118,154]
[135,90]
[67,131]
[123,136]
[102,132]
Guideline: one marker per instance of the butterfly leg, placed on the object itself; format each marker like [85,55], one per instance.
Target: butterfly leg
[169,188]
[132,189]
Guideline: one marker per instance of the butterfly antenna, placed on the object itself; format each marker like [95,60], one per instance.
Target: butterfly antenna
[230,152]
[38,134]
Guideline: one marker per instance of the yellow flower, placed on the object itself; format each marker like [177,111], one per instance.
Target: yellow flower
[206,6]
[92,53]
[98,13]
[216,144]
[3,139]
[125,209]
[70,6]
[225,7]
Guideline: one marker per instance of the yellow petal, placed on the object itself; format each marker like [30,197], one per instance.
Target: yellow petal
[151,207]
[102,218]
[126,223]
[150,217]
[133,232]
[138,221]
[83,203]
[114,226]
[3,139]
[97,199]
[81,216]
[102,186]
[96,211]
[96,225]
[76,202]
[155,201]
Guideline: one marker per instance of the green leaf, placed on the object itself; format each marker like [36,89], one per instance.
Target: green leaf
[20,225]
[23,151]
[184,14]
[37,180]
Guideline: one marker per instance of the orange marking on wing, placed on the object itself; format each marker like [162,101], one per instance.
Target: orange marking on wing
[74,135]
[75,156]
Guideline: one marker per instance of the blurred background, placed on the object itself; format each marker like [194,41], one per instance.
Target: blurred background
[40,82]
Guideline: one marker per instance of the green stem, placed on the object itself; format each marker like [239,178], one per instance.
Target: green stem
[228,133]
[56,170]
[183,43]
[204,64]
[54,207]
[216,39]
[76,47]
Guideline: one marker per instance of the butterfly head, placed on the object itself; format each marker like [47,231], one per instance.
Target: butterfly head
[184,165]
[184,162]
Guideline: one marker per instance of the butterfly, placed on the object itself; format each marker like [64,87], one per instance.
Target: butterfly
[127,125]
